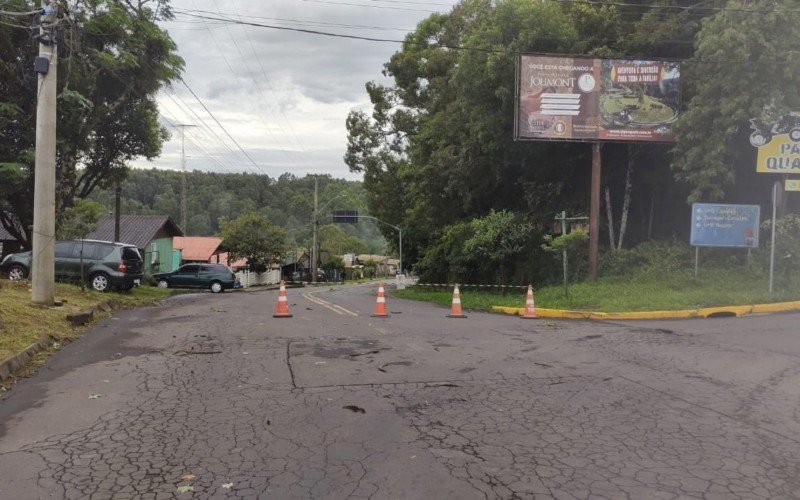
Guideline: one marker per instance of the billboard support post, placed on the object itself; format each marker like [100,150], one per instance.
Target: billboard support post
[697,260]
[594,212]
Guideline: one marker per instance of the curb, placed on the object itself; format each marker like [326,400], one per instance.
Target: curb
[706,312]
[10,365]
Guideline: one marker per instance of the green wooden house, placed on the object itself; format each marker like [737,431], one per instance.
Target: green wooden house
[152,234]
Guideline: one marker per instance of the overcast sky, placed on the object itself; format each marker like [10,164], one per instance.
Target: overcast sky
[282,95]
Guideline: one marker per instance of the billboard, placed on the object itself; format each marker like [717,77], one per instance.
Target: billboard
[723,225]
[778,144]
[590,99]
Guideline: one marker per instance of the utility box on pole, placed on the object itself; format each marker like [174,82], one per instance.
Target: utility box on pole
[44,196]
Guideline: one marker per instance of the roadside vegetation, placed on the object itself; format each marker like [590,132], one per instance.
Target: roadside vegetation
[652,276]
[23,323]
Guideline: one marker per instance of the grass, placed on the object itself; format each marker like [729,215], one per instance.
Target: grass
[674,292]
[23,323]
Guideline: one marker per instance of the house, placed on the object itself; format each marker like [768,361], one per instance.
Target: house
[384,266]
[8,244]
[153,235]
[200,249]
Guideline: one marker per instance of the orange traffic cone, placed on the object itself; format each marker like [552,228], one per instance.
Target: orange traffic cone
[530,308]
[282,307]
[455,308]
[380,305]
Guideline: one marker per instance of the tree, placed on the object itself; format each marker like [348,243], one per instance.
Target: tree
[252,237]
[114,60]
[745,66]
[79,220]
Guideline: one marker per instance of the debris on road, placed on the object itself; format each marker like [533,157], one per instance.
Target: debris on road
[185,489]
[187,477]
[186,352]
[94,396]
[400,363]
[354,409]
[356,354]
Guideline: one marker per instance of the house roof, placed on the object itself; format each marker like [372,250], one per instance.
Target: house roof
[200,248]
[136,230]
[223,259]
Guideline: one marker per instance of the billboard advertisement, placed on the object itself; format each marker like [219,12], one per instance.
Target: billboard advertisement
[590,99]
[778,144]
[724,225]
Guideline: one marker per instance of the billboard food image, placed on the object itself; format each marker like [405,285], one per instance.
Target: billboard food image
[778,144]
[579,98]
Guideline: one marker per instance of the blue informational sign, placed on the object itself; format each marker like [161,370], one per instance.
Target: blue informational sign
[721,225]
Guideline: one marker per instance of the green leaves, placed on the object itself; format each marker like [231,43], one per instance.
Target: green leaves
[251,236]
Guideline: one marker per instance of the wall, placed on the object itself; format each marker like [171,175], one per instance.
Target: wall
[247,279]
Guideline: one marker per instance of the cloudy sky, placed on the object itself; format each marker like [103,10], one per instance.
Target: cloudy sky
[283,96]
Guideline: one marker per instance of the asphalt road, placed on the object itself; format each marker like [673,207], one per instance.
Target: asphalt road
[212,396]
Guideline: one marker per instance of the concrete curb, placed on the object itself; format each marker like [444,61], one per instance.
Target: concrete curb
[706,312]
[10,365]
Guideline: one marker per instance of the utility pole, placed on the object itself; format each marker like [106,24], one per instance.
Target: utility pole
[117,209]
[314,244]
[44,195]
[183,174]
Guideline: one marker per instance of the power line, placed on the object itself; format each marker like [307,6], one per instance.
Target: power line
[220,125]
[486,49]
[269,86]
[369,6]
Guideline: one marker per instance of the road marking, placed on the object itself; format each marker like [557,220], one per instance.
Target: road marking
[328,305]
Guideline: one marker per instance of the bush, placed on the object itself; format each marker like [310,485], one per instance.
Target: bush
[651,258]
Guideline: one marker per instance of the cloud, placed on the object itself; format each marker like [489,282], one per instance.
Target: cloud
[283,96]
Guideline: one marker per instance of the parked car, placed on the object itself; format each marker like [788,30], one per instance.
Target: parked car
[106,264]
[215,277]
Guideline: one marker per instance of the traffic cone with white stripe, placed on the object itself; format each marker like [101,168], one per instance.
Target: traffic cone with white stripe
[455,308]
[530,308]
[380,305]
[282,307]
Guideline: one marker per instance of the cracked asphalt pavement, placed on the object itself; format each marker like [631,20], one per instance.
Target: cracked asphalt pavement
[209,396]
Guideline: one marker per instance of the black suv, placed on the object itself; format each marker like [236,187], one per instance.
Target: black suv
[105,264]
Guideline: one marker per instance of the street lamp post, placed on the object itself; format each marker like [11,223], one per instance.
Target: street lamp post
[314,252]
[400,246]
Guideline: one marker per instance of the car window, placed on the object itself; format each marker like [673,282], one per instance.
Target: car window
[103,250]
[190,269]
[64,249]
[209,269]
[130,253]
[87,249]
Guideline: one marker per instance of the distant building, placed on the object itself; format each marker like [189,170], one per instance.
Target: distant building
[153,235]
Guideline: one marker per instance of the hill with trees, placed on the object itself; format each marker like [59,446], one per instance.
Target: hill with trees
[287,202]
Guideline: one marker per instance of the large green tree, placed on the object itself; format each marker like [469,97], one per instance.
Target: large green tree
[437,150]
[746,65]
[252,237]
[113,59]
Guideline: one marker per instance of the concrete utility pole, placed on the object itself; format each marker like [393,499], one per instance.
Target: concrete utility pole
[44,195]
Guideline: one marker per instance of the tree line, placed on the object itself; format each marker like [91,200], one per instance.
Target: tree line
[286,202]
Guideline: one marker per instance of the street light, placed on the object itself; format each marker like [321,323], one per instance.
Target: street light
[400,263]
[314,244]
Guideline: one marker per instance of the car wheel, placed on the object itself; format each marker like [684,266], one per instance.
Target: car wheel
[216,287]
[795,134]
[100,282]
[16,273]
[162,284]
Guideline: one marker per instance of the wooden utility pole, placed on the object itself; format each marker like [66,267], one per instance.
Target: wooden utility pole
[44,196]
[314,244]
[594,213]
[117,209]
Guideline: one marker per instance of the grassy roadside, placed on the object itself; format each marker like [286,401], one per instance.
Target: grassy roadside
[22,323]
[673,292]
